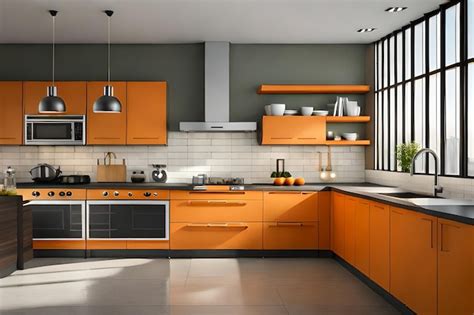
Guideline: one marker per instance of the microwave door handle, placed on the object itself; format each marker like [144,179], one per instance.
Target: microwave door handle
[72,131]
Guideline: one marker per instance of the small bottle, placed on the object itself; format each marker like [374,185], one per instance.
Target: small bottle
[9,181]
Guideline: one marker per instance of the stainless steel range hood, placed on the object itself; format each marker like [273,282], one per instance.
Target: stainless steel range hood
[216,93]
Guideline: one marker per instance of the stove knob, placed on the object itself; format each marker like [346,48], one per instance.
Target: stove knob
[51,193]
[155,194]
[36,193]
[116,193]
[130,194]
[62,193]
[105,193]
[69,193]
[147,194]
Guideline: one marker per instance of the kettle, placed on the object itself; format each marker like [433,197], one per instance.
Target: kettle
[45,173]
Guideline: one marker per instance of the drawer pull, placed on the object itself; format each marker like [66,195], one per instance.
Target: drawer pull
[300,224]
[216,203]
[307,138]
[289,193]
[219,225]
[278,138]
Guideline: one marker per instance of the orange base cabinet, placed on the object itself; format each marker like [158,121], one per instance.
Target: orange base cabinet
[350,207]
[11,119]
[293,130]
[215,210]
[413,260]
[146,244]
[455,268]
[362,237]
[288,236]
[216,235]
[215,195]
[60,244]
[106,244]
[337,224]
[379,242]
[324,214]
[290,206]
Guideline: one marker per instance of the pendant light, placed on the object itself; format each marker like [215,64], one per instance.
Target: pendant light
[107,103]
[52,103]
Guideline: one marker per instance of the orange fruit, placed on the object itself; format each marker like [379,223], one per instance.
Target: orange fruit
[279,181]
[299,181]
[289,181]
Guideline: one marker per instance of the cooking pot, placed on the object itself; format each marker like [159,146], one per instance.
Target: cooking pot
[45,173]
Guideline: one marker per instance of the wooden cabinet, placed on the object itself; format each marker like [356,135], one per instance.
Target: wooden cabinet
[290,206]
[350,207]
[73,93]
[455,268]
[245,235]
[290,220]
[293,130]
[337,224]
[413,260]
[362,236]
[146,113]
[11,119]
[379,243]
[105,128]
[290,235]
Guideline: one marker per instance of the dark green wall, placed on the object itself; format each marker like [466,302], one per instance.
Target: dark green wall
[182,66]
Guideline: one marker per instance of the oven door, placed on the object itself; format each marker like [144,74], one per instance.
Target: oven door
[128,220]
[58,220]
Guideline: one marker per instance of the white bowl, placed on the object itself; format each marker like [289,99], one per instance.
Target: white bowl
[277,109]
[351,136]
[291,112]
[320,112]
[268,110]
[307,111]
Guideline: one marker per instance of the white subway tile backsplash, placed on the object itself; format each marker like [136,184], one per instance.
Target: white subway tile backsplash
[187,154]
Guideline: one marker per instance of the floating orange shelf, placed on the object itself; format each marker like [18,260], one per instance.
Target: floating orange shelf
[347,119]
[346,142]
[312,89]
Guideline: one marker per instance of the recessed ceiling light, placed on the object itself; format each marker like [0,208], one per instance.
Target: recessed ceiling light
[366,30]
[395,9]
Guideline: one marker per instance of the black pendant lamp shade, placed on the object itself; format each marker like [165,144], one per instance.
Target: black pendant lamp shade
[52,103]
[108,103]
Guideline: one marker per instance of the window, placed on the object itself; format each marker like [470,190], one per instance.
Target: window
[427,95]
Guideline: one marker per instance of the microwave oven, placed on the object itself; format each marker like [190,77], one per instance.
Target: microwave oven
[55,130]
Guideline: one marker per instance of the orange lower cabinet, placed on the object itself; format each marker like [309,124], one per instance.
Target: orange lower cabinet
[233,235]
[350,207]
[455,268]
[106,244]
[324,217]
[413,260]
[337,224]
[148,244]
[60,244]
[221,210]
[290,206]
[290,235]
[379,244]
[362,237]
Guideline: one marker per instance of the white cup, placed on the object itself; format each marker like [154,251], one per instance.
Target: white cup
[268,110]
[307,110]
[277,109]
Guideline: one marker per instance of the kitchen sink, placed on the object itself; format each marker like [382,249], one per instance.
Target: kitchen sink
[407,195]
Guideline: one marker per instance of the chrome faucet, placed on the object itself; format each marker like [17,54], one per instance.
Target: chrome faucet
[436,189]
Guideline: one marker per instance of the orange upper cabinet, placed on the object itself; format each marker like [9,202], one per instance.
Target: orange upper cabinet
[107,128]
[455,268]
[146,113]
[379,240]
[337,224]
[293,130]
[11,119]
[73,93]
[413,260]
[362,236]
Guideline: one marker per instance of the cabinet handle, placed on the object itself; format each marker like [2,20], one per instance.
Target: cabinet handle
[431,230]
[443,247]
[275,138]
[300,224]
[289,193]
[307,138]
[394,211]
[216,202]
[107,138]
[7,138]
[145,138]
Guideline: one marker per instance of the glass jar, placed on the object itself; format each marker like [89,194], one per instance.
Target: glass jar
[9,181]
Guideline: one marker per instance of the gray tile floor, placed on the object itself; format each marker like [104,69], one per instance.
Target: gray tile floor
[187,286]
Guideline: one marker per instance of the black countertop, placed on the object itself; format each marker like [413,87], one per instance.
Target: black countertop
[456,210]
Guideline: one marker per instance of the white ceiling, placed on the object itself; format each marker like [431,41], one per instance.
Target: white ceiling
[187,21]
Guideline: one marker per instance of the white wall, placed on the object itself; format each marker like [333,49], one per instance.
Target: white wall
[188,154]
[456,188]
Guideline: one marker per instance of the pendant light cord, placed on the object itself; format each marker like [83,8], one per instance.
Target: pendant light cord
[108,51]
[54,41]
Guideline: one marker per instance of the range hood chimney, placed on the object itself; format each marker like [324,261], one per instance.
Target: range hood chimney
[216,93]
